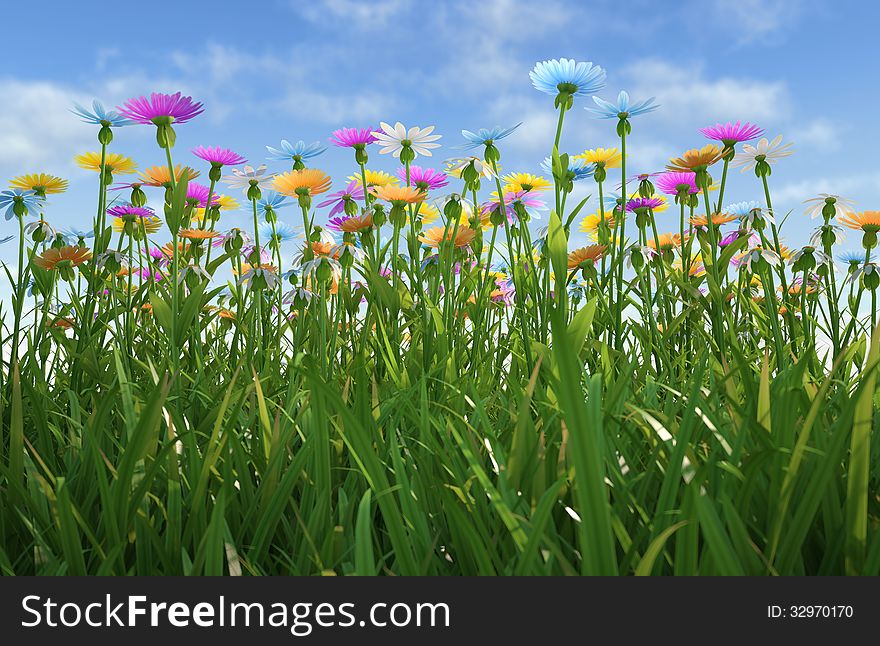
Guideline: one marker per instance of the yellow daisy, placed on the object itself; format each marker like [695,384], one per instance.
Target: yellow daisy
[609,157]
[516,182]
[42,183]
[148,224]
[376,178]
[114,163]
[158,176]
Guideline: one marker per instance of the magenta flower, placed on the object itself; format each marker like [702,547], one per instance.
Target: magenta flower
[674,183]
[196,192]
[351,137]
[122,210]
[161,109]
[426,179]
[218,156]
[733,236]
[644,203]
[732,133]
[354,191]
[528,199]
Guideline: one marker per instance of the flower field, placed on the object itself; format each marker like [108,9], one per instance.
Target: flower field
[438,381]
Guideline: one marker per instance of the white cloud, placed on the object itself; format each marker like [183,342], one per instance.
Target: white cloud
[37,130]
[846,185]
[366,15]
[685,95]
[821,134]
[755,19]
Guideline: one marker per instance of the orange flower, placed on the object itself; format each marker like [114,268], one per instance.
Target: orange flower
[667,242]
[400,194]
[168,249]
[306,181]
[693,159]
[357,223]
[60,323]
[435,235]
[226,314]
[585,254]
[57,258]
[717,219]
[197,234]
[867,221]
[159,175]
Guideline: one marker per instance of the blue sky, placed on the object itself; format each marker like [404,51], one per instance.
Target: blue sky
[297,70]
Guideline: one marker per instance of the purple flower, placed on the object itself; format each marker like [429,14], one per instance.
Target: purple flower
[528,199]
[218,156]
[353,191]
[199,192]
[732,133]
[644,203]
[426,179]
[122,210]
[160,259]
[161,109]
[350,137]
[733,236]
[673,183]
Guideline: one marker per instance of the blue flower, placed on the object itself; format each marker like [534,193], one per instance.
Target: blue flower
[567,76]
[296,152]
[72,235]
[8,200]
[742,209]
[283,232]
[485,136]
[577,169]
[99,116]
[623,108]
[853,257]
[272,201]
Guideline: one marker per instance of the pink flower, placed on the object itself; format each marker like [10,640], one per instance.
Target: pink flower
[199,192]
[164,107]
[672,183]
[732,133]
[218,156]
[350,137]
[427,179]
[354,191]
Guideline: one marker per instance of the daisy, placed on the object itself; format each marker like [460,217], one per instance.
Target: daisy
[756,254]
[353,137]
[622,109]
[114,163]
[486,136]
[577,169]
[197,235]
[304,182]
[677,183]
[62,259]
[426,179]
[295,152]
[435,236]
[765,153]
[567,77]
[19,202]
[456,165]
[351,223]
[836,205]
[514,182]
[585,255]
[417,140]
[218,156]
[249,177]
[666,242]
[694,159]
[41,230]
[161,109]
[344,200]
[604,157]
[99,116]
[375,178]
[656,204]
[867,221]
[282,233]
[41,183]
[718,219]
[159,177]
[197,195]
[398,194]
[732,133]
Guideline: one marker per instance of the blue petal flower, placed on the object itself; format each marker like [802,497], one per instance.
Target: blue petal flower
[608,110]
[853,257]
[299,150]
[578,79]
[485,135]
[99,116]
[283,232]
[8,199]
[274,200]
[742,208]
[578,169]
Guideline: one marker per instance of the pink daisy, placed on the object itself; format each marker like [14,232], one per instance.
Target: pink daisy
[161,108]
[732,133]
[426,179]
[218,156]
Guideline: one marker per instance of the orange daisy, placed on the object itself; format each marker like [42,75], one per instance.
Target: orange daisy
[197,234]
[867,221]
[57,258]
[694,158]
[436,235]
[158,176]
[717,219]
[578,257]
[398,194]
[667,242]
[306,181]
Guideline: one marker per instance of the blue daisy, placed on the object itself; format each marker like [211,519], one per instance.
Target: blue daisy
[485,136]
[296,152]
[567,76]
[99,116]
[623,108]
[8,200]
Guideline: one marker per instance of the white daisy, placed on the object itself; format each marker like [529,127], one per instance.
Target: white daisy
[393,140]
[757,253]
[248,177]
[842,205]
[769,151]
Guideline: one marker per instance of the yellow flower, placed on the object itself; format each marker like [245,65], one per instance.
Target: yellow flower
[516,182]
[585,254]
[158,176]
[434,236]
[668,242]
[148,224]
[375,178]
[225,202]
[113,162]
[609,157]
[309,181]
[42,183]
[428,213]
